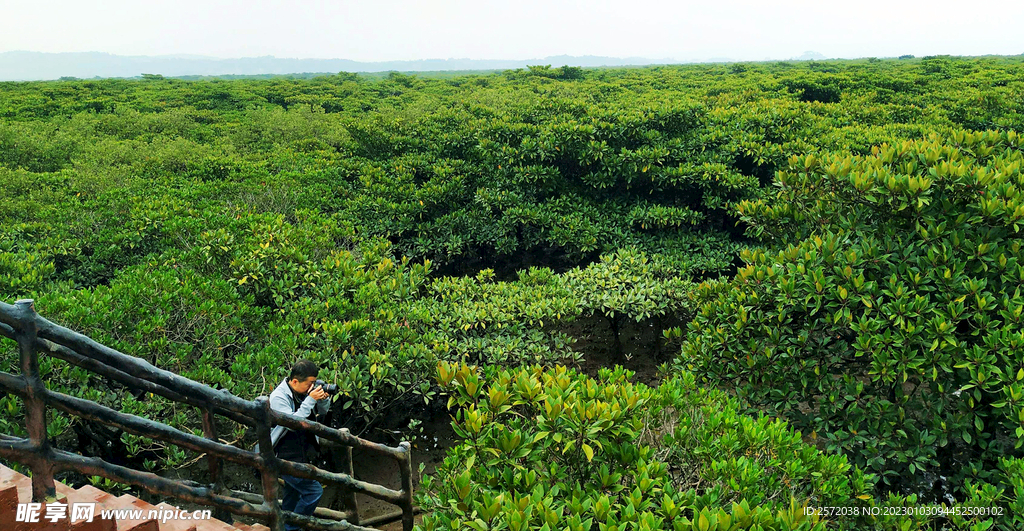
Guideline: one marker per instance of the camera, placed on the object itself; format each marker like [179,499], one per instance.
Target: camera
[331,389]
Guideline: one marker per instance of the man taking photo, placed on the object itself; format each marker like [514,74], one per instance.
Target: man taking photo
[298,395]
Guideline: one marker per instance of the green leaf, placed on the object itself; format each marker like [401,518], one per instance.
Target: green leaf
[589,451]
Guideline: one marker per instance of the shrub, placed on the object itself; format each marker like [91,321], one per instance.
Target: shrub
[889,321]
[552,449]
[479,320]
[628,285]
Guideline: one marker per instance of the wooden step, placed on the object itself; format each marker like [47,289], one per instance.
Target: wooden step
[91,495]
[176,525]
[212,524]
[8,499]
[23,483]
[16,488]
[95,494]
[128,502]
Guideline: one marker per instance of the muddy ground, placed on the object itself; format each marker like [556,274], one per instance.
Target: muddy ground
[644,347]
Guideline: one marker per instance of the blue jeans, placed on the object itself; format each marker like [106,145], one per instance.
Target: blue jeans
[300,496]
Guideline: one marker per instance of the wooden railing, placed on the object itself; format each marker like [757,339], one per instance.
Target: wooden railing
[35,335]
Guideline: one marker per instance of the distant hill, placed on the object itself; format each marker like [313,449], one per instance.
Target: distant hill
[24,66]
[810,56]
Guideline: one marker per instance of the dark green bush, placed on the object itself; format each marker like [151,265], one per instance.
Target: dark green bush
[380,223]
[889,321]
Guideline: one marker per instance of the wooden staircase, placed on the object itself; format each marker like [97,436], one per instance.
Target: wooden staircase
[16,488]
[35,335]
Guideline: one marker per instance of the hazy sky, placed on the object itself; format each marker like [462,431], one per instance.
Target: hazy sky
[380,30]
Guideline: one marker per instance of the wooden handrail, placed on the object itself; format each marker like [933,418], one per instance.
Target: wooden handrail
[35,335]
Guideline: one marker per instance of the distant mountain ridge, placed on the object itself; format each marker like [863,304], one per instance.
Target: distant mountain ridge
[810,56]
[27,66]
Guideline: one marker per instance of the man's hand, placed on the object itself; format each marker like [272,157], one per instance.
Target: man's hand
[318,393]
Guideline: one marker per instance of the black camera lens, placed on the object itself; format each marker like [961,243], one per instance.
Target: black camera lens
[330,389]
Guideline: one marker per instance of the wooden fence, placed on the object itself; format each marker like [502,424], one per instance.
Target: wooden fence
[36,335]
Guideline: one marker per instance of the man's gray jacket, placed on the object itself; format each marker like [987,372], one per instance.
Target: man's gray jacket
[281,400]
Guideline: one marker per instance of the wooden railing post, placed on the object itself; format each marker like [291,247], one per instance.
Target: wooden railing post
[270,465]
[405,468]
[348,496]
[215,463]
[35,404]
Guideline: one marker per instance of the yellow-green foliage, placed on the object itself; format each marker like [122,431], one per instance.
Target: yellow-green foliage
[553,449]
[889,319]
[223,229]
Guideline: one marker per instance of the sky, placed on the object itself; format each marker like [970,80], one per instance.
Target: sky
[388,30]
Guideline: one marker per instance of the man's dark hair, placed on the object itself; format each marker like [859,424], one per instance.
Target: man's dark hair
[303,369]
